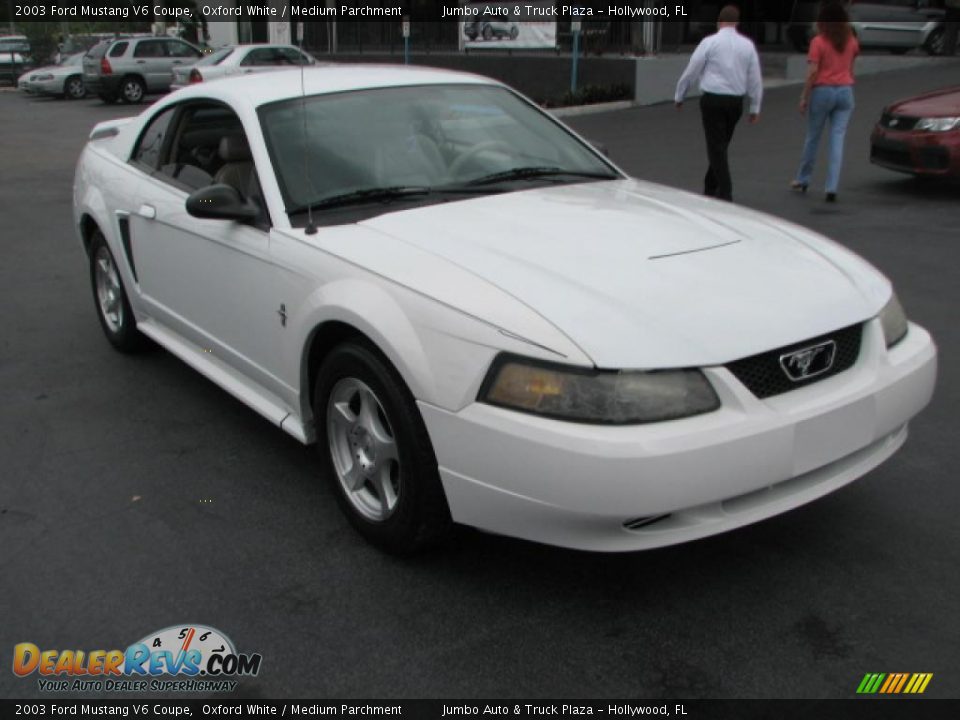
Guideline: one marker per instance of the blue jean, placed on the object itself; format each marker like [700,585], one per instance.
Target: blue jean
[833,103]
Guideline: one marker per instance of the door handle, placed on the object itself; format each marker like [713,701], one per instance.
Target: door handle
[141,62]
[178,62]
[147,211]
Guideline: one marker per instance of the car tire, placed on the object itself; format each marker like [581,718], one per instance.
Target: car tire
[110,298]
[107,98]
[73,88]
[936,43]
[375,451]
[514,32]
[132,90]
[487,32]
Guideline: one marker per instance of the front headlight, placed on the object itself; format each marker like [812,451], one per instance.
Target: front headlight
[608,397]
[942,124]
[43,78]
[894,321]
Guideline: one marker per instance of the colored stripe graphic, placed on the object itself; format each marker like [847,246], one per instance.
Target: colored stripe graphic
[894,683]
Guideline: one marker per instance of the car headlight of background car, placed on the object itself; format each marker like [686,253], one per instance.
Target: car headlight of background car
[941,124]
[894,321]
[585,395]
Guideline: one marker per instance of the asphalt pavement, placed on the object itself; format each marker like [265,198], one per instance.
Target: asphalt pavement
[136,495]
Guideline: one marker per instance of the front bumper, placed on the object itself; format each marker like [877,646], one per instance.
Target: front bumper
[45,87]
[918,153]
[592,487]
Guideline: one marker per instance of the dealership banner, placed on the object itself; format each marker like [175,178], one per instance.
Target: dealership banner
[496,24]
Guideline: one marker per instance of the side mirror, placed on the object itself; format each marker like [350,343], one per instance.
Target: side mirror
[221,202]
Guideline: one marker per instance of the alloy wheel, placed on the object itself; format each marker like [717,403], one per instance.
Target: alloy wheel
[363,449]
[109,290]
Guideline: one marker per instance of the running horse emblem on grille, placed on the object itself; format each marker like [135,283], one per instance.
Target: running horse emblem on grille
[809,362]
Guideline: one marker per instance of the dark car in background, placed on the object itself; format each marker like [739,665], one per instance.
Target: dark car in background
[14,56]
[920,135]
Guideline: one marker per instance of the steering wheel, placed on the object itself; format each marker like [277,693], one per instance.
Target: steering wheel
[486,146]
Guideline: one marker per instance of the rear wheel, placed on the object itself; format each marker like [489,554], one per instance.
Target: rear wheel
[376,453]
[132,89]
[936,43]
[73,88]
[113,307]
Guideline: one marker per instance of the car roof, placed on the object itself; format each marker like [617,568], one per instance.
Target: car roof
[261,89]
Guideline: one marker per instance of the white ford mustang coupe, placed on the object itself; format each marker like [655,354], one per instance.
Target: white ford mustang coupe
[479,319]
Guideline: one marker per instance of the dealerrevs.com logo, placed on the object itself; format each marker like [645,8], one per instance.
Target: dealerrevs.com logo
[186,658]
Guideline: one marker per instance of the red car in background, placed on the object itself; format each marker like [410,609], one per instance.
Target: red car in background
[920,135]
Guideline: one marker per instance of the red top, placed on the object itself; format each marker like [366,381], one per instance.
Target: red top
[833,68]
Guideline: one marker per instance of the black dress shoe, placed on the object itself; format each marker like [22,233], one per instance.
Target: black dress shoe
[831,197]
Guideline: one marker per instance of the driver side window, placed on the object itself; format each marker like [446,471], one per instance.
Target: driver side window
[206,145]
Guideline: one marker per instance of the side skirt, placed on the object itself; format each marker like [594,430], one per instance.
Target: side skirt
[238,385]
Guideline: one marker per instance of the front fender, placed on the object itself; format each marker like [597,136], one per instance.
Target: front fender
[375,313]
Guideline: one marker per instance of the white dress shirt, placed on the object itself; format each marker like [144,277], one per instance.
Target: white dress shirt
[725,63]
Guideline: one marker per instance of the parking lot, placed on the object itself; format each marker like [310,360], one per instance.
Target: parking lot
[136,495]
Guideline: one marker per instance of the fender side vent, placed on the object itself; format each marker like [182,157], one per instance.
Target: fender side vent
[643,522]
[124,225]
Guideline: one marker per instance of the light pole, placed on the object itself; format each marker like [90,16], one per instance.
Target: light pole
[575,27]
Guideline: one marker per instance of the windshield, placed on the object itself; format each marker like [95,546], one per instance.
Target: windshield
[426,137]
[71,60]
[217,57]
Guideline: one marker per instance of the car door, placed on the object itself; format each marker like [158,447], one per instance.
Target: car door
[887,23]
[150,60]
[209,281]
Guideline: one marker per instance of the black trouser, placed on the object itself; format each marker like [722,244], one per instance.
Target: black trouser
[721,113]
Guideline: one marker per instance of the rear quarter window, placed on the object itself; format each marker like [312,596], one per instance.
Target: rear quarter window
[150,145]
[119,49]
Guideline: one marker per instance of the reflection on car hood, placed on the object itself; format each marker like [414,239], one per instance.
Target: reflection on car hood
[942,103]
[643,276]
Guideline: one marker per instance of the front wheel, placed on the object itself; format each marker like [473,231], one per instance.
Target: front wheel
[113,307]
[376,453]
[73,88]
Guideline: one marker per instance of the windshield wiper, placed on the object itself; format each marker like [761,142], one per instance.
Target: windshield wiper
[355,197]
[523,173]
[387,194]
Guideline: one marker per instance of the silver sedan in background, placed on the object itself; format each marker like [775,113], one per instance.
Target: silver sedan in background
[233,60]
[62,80]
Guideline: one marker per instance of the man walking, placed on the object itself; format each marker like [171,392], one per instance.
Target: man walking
[727,67]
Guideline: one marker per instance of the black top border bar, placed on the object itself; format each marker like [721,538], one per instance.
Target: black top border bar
[587,11]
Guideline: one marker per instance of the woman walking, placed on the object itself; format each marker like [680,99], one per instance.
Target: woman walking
[828,94]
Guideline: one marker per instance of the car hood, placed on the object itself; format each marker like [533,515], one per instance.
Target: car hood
[942,103]
[643,276]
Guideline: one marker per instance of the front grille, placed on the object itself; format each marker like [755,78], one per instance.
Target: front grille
[898,122]
[934,158]
[764,377]
[891,154]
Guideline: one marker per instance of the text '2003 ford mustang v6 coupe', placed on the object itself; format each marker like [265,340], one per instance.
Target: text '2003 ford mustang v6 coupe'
[479,319]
